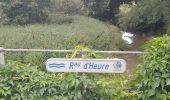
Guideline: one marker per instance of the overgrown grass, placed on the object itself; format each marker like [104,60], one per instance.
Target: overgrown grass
[80,30]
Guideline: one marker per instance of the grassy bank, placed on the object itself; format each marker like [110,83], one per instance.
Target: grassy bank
[81,30]
[66,35]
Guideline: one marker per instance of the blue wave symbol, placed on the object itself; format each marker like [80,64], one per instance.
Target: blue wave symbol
[57,65]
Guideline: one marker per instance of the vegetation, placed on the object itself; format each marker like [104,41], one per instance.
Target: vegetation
[20,81]
[3,17]
[64,24]
[81,30]
[152,82]
[154,73]
[133,15]
[52,24]
[25,12]
[36,11]
[145,15]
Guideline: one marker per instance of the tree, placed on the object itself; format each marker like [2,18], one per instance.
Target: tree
[3,18]
[67,7]
[26,12]
[146,15]
[104,9]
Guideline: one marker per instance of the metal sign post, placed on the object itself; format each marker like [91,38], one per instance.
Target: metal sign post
[84,56]
[2,61]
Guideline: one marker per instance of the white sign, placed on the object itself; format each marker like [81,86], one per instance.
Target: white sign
[86,65]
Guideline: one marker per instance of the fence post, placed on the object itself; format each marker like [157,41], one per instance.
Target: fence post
[2,61]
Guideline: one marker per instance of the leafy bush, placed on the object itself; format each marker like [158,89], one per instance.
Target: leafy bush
[25,12]
[60,19]
[20,81]
[37,11]
[97,8]
[154,73]
[66,7]
[3,18]
[127,22]
[148,15]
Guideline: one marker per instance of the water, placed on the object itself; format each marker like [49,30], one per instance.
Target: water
[127,37]
[134,42]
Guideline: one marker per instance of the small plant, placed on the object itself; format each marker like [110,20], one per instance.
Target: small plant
[79,48]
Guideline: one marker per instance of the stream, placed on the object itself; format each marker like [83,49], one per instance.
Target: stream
[134,42]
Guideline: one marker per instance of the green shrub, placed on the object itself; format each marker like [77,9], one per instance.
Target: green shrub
[146,15]
[66,7]
[60,19]
[25,12]
[19,81]
[3,18]
[154,73]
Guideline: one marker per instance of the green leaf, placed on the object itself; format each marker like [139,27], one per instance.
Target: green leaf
[163,97]
[42,91]
[79,94]
[151,92]
[2,91]
[167,81]
[165,75]
[156,83]
[6,88]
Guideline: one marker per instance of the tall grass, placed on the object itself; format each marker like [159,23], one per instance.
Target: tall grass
[53,36]
[81,30]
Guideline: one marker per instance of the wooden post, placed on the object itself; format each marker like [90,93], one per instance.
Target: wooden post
[2,61]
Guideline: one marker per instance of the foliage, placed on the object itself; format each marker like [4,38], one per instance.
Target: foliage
[25,12]
[80,48]
[154,73]
[60,19]
[103,9]
[37,11]
[82,30]
[20,81]
[95,7]
[3,18]
[148,15]
[66,7]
